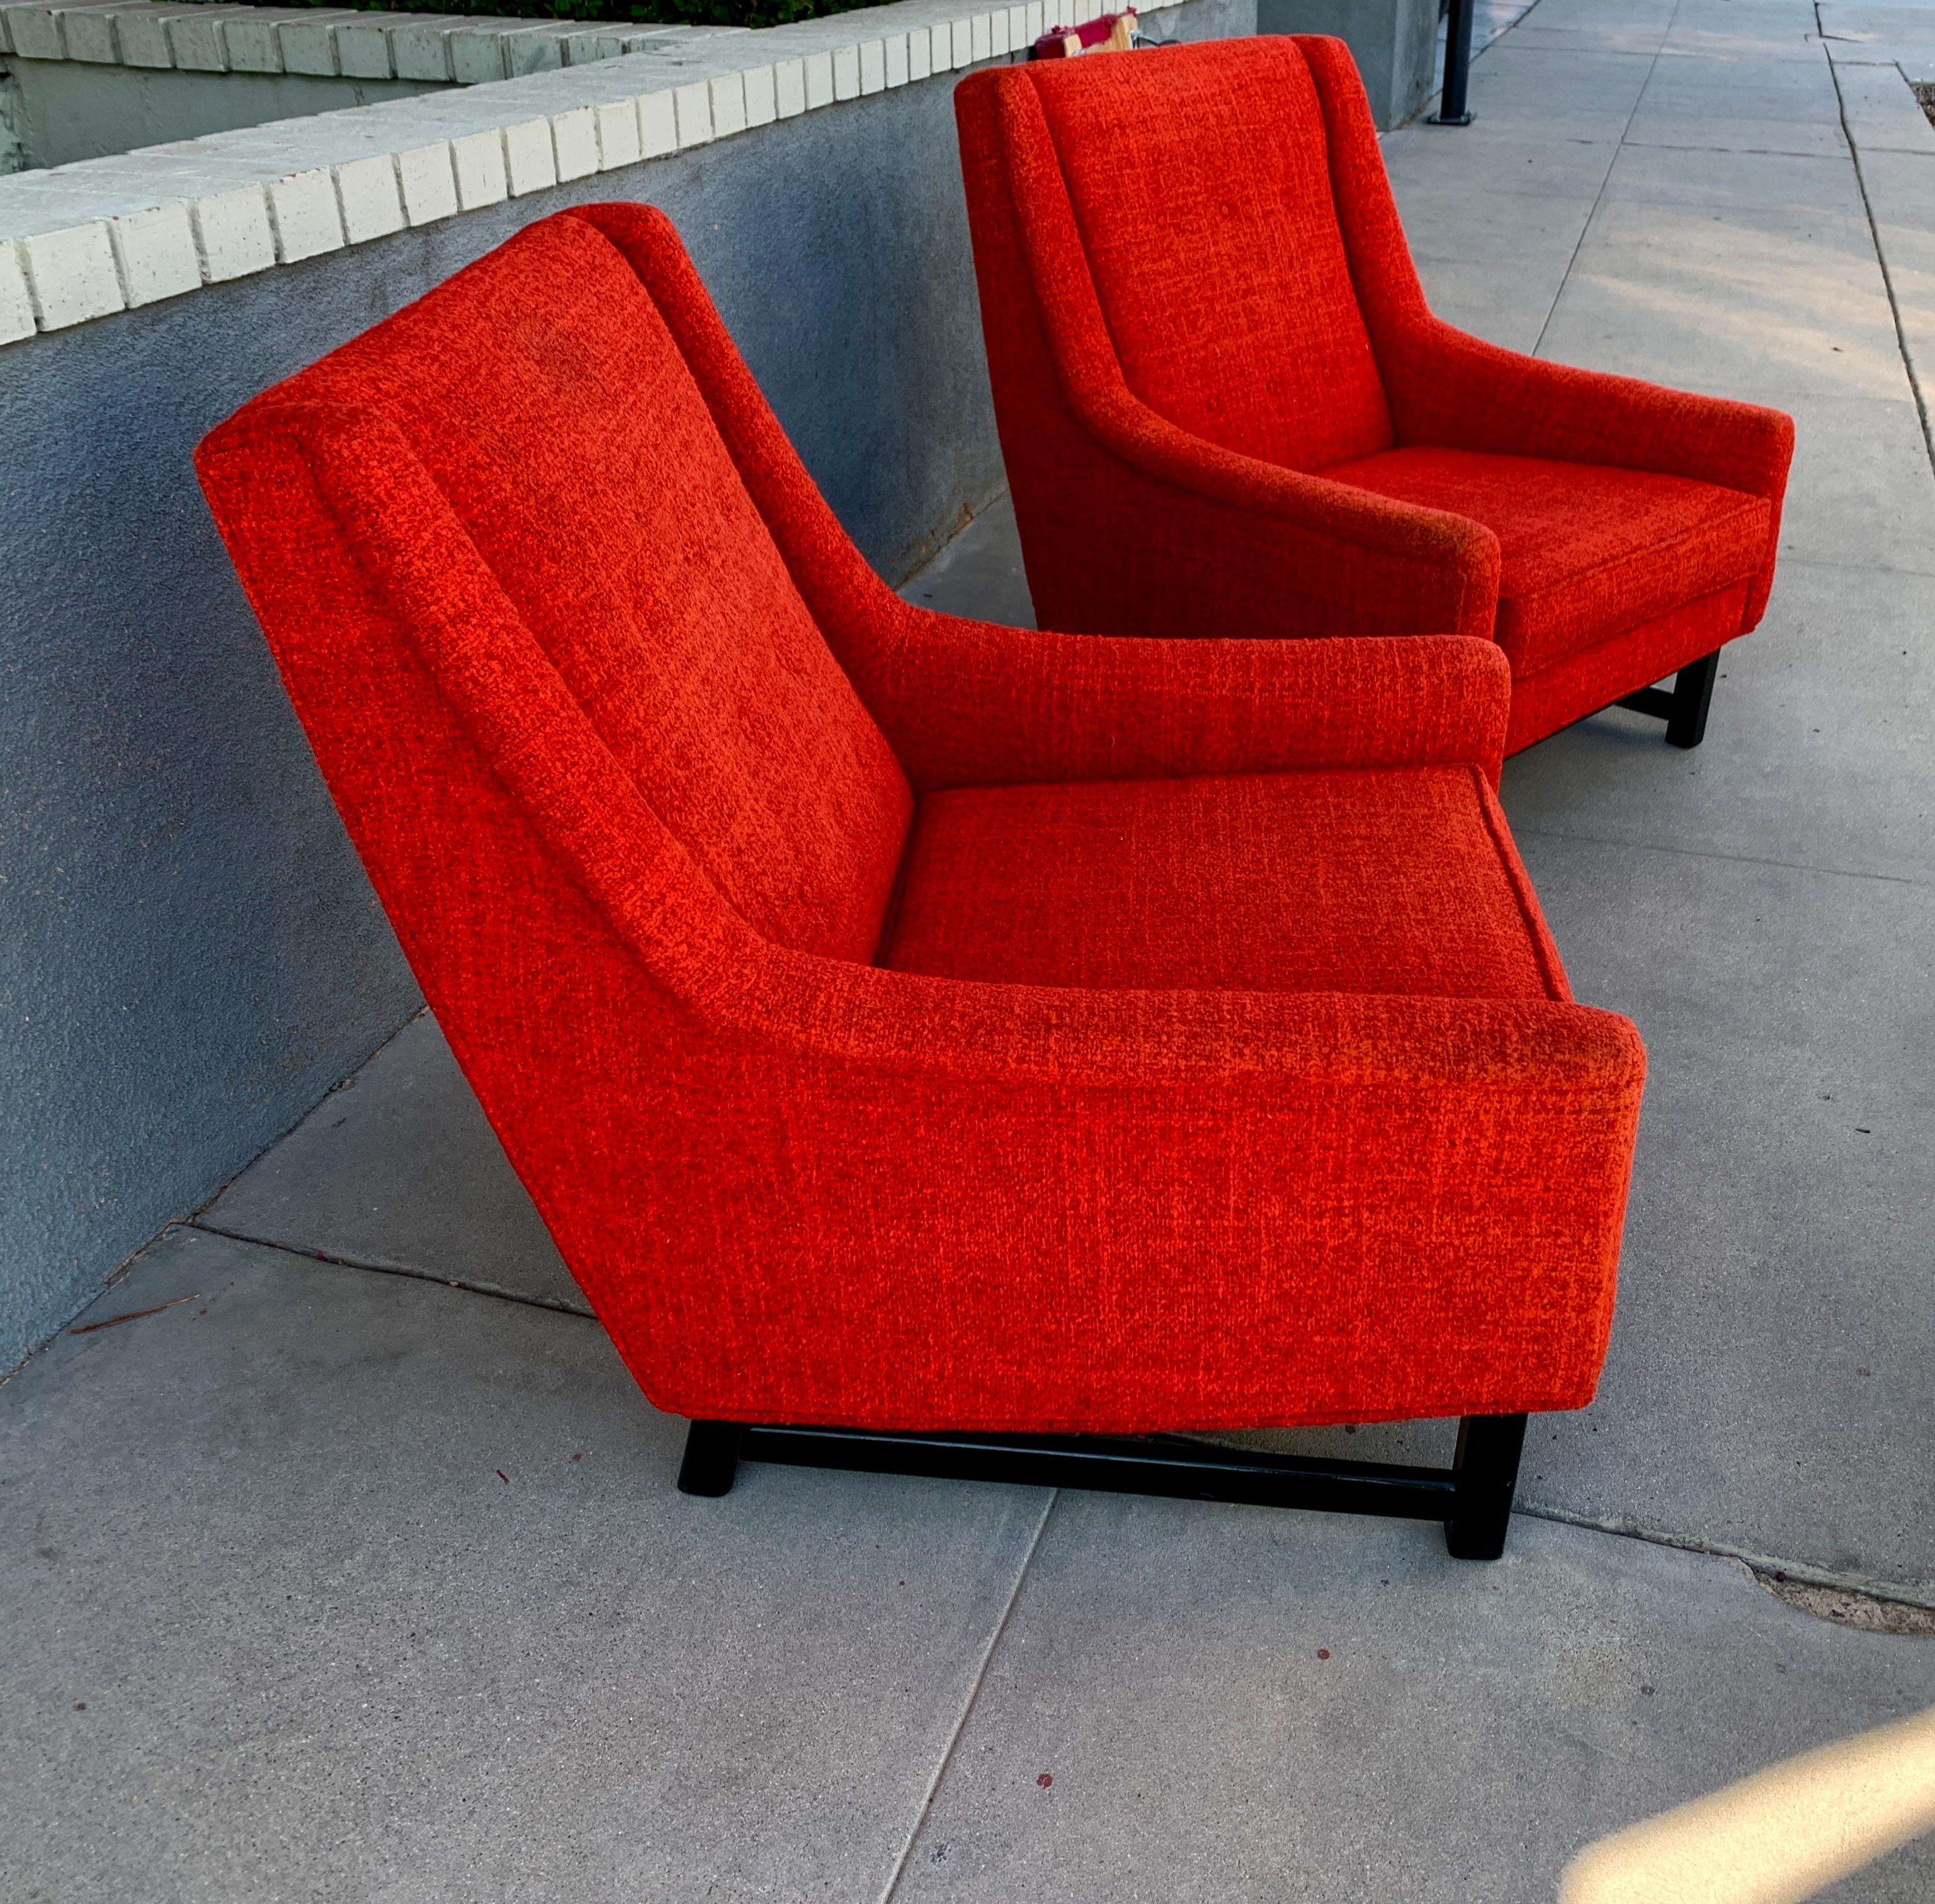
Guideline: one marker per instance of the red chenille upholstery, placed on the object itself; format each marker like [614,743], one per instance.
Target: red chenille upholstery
[1226,409]
[902,1021]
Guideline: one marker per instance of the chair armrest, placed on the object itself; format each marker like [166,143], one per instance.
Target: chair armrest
[969,704]
[1459,391]
[915,1024]
[1251,1208]
[1450,388]
[1248,548]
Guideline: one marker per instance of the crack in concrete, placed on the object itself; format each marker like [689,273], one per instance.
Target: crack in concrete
[1866,1613]
[1598,197]
[1729,858]
[1919,1594]
[1881,255]
[494,1291]
[947,1758]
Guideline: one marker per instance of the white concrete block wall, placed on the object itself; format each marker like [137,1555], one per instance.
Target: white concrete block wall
[36,33]
[530,162]
[344,42]
[232,233]
[370,198]
[17,302]
[156,253]
[658,126]
[84,241]
[789,87]
[252,45]
[195,39]
[478,160]
[692,111]
[88,34]
[363,51]
[309,45]
[421,50]
[762,105]
[617,130]
[304,216]
[71,276]
[728,100]
[819,80]
[141,38]
[426,177]
[574,136]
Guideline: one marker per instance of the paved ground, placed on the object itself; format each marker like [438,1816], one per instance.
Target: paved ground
[326,1583]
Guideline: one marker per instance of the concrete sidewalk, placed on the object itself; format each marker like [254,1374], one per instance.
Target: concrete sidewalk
[324,1582]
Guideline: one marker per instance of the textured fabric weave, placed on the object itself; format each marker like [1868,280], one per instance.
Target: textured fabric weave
[1591,678]
[1357,880]
[621,786]
[1224,288]
[1583,549]
[1193,398]
[579,456]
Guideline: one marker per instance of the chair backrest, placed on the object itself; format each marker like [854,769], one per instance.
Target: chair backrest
[1200,181]
[543,396]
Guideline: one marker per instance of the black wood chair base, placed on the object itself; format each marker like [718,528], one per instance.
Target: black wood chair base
[1472,1498]
[1684,709]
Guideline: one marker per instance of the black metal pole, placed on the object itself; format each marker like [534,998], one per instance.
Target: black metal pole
[1451,107]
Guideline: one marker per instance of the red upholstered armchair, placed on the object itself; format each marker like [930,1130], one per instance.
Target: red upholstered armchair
[1226,409]
[917,1033]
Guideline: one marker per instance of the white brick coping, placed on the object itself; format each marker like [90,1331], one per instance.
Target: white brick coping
[452,49]
[85,240]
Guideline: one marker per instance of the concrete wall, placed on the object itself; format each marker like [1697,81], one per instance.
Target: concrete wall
[192,957]
[64,109]
[13,124]
[1394,42]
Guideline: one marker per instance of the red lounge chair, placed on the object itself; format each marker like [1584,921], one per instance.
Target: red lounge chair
[1226,409]
[918,1034]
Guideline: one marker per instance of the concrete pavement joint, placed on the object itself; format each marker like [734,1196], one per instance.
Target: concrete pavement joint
[1800,1572]
[495,1293]
[1902,1593]
[967,1705]
[1859,568]
[1746,151]
[87,1298]
[1865,1613]
[1881,257]
[222,1189]
[1598,197]
[1698,852]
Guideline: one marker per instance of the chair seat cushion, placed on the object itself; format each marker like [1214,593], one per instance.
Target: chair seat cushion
[1586,549]
[1387,880]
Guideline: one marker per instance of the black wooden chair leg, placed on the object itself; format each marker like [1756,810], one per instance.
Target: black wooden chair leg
[1484,1474]
[1473,1497]
[711,1458]
[1692,695]
[1684,708]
